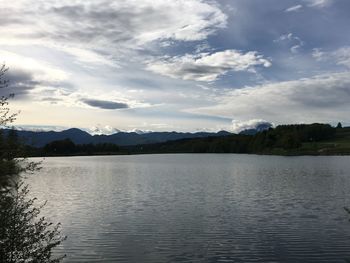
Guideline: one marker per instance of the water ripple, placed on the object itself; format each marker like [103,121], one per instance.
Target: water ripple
[198,208]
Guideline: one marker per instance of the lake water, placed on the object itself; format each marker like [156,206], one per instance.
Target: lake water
[198,207]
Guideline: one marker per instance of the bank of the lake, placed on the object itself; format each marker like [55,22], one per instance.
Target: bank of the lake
[313,139]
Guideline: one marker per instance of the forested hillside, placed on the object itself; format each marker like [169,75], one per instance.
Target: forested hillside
[301,139]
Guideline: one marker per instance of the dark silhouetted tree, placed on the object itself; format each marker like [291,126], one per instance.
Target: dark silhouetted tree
[24,235]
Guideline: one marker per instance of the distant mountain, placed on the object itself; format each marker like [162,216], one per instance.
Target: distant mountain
[259,128]
[41,138]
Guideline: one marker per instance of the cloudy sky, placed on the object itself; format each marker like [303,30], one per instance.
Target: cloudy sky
[183,65]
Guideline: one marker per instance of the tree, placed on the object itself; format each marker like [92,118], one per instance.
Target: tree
[65,146]
[7,164]
[24,236]
[5,116]
[339,126]
[10,161]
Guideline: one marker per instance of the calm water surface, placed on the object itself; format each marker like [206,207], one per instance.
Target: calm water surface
[198,208]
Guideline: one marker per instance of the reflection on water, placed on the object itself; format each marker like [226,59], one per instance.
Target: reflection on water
[199,208]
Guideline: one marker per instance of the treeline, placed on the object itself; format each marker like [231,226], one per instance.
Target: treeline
[67,147]
[291,136]
[283,140]
[10,148]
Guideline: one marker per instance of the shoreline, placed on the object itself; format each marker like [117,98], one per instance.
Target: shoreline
[175,153]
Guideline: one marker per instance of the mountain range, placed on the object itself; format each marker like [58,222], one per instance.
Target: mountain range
[41,138]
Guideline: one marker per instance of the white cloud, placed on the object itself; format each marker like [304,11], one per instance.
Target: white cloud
[238,126]
[87,56]
[40,70]
[100,129]
[323,98]
[294,8]
[319,3]
[207,66]
[40,128]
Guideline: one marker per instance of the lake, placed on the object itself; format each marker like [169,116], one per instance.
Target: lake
[198,207]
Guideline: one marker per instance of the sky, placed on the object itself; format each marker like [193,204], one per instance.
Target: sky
[176,65]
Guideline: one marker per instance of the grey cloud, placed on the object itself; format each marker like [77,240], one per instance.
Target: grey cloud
[25,85]
[112,24]
[20,83]
[294,41]
[143,83]
[95,23]
[104,104]
[340,56]
[319,95]
[8,21]
[9,16]
[323,98]
[51,100]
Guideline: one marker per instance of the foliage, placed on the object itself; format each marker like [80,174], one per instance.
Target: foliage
[67,147]
[284,139]
[12,161]
[290,137]
[11,149]
[5,116]
[24,237]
